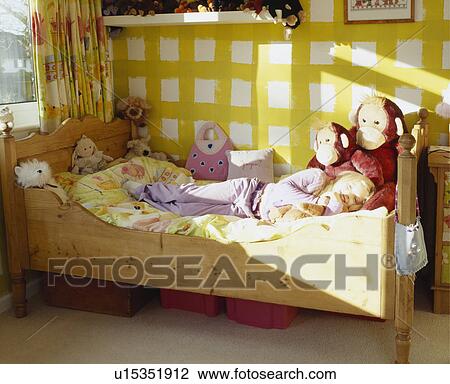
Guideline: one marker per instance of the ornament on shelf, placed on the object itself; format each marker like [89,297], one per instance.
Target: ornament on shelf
[6,121]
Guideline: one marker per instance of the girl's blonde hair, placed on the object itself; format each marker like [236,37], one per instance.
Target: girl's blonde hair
[350,182]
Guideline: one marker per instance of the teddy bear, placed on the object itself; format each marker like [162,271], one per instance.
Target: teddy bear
[334,147]
[86,158]
[379,123]
[135,109]
[38,174]
[6,120]
[139,147]
[298,211]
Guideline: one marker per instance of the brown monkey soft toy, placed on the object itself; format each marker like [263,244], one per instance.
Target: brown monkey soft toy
[378,126]
[334,147]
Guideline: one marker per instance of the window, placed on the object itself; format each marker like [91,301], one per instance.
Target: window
[17,83]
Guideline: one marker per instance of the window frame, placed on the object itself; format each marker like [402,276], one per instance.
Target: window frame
[26,114]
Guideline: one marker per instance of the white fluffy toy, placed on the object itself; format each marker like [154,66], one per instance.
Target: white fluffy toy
[37,174]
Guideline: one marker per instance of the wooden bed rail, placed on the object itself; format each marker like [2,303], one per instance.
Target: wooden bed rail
[413,144]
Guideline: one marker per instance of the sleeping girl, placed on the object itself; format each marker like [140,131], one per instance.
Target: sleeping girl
[252,198]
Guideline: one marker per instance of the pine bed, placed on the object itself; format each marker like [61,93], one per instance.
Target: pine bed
[40,227]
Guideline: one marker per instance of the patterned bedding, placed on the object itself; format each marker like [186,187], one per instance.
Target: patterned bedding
[102,195]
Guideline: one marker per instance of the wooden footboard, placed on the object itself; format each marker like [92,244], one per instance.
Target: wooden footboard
[40,228]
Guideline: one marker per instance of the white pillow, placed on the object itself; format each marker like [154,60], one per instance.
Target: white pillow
[258,163]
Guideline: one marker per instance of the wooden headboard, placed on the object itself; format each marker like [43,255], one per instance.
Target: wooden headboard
[57,148]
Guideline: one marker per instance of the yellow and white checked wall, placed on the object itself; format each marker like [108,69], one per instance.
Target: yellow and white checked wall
[265,91]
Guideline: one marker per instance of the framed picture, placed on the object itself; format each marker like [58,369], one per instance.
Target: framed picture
[378,11]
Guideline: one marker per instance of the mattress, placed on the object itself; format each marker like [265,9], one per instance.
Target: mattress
[101,193]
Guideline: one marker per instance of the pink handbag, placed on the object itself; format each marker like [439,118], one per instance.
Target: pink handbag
[207,159]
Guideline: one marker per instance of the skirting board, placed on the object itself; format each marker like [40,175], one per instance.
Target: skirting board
[33,288]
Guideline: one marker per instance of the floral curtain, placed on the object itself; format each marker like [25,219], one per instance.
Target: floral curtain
[73,68]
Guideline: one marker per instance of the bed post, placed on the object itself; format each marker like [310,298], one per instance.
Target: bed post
[11,196]
[404,295]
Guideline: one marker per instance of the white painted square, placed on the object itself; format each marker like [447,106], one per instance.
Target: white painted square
[169,128]
[205,91]
[205,50]
[241,133]
[241,93]
[446,9]
[364,54]
[110,52]
[322,11]
[168,49]
[170,90]
[279,94]
[281,169]
[312,137]
[360,92]
[443,139]
[419,10]
[242,52]
[408,99]
[280,53]
[322,97]
[322,52]
[409,54]
[137,87]
[446,95]
[446,55]
[197,125]
[279,135]
[136,49]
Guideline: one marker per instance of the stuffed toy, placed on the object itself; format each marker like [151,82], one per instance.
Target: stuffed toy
[292,213]
[6,120]
[334,147]
[252,5]
[37,174]
[379,123]
[87,159]
[169,6]
[287,12]
[134,109]
[140,147]
[110,8]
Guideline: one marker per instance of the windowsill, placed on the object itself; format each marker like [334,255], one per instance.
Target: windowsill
[26,117]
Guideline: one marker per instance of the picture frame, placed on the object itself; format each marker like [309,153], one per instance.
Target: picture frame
[378,11]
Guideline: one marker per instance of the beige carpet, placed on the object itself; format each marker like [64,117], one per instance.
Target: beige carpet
[156,335]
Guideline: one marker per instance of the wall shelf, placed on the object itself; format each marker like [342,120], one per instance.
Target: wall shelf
[194,18]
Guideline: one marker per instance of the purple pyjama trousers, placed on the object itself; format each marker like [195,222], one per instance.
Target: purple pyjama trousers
[232,197]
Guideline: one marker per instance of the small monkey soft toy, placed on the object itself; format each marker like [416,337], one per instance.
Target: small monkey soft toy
[86,158]
[334,147]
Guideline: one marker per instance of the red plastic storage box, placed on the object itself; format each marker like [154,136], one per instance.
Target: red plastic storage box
[261,315]
[193,302]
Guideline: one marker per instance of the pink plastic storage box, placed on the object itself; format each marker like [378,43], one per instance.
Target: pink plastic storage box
[261,315]
[193,302]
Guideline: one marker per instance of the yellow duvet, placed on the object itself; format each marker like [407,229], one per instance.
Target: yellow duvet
[101,194]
